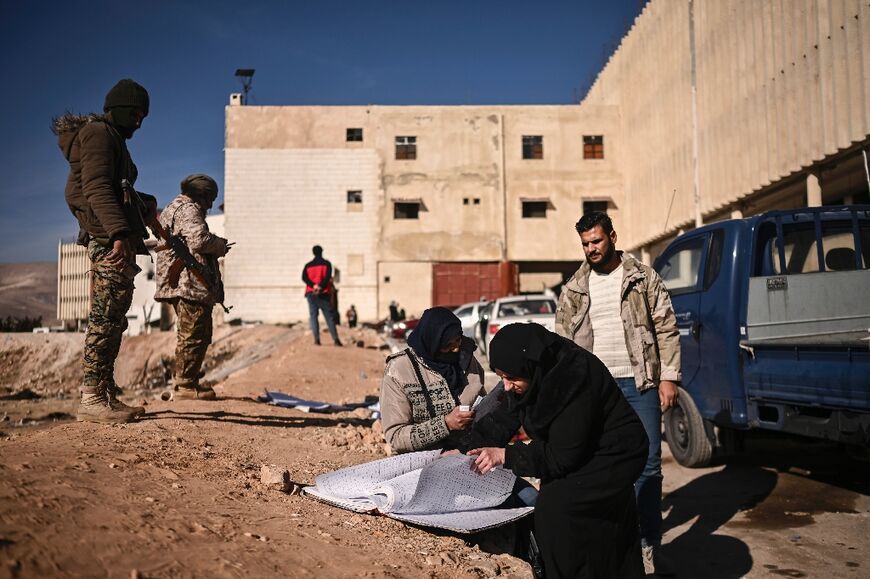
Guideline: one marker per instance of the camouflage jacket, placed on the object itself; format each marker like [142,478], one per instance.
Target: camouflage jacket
[185,218]
[407,424]
[648,320]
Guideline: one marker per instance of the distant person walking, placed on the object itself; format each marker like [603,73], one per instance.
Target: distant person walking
[351,316]
[317,275]
[112,229]
[619,309]
[192,301]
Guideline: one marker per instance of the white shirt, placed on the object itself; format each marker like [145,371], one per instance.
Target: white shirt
[604,313]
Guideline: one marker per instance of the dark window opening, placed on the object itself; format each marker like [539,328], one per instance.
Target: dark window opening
[534,209]
[386,279]
[593,146]
[465,200]
[354,197]
[406,148]
[354,135]
[593,206]
[533,147]
[477,200]
[404,210]
[714,258]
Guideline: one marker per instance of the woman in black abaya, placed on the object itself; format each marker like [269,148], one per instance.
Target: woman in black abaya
[587,447]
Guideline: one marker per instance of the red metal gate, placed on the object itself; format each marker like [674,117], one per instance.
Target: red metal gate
[455,283]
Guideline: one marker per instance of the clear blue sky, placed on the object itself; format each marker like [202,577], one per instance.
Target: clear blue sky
[64,55]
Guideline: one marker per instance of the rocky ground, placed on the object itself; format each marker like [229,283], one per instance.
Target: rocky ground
[179,493]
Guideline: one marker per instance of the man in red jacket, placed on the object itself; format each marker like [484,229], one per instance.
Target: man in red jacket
[317,275]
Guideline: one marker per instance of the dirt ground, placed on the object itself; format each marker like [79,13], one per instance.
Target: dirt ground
[178,494]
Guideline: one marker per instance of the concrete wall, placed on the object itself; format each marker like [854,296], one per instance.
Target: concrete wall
[780,87]
[410,285]
[279,203]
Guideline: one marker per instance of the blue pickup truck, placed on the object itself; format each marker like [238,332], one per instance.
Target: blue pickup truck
[774,320]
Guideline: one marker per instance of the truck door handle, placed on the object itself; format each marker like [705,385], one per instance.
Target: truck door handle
[696,330]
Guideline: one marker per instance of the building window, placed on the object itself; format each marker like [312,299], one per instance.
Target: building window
[593,206]
[354,135]
[471,200]
[593,146]
[354,201]
[477,200]
[535,209]
[406,210]
[406,148]
[533,147]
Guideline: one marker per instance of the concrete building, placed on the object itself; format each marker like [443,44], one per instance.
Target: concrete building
[418,204]
[734,107]
[708,109]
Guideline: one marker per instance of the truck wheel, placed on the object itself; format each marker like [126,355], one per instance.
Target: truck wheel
[685,433]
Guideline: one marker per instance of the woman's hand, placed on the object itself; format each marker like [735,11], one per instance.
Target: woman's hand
[459,419]
[487,459]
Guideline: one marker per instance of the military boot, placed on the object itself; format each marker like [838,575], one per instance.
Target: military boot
[112,392]
[194,392]
[96,407]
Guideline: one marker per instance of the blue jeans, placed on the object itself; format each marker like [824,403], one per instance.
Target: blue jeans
[648,488]
[320,303]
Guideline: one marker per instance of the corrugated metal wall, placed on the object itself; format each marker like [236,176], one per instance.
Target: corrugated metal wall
[73,282]
[781,85]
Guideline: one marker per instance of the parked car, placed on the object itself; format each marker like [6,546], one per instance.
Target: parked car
[469,315]
[537,308]
[773,318]
[402,329]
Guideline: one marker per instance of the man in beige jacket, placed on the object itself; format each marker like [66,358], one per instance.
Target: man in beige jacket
[619,309]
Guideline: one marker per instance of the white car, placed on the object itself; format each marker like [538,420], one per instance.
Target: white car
[537,308]
[469,315]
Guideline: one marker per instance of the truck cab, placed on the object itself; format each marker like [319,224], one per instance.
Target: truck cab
[774,322]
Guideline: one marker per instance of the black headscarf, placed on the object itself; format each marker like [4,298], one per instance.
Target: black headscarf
[555,368]
[438,326]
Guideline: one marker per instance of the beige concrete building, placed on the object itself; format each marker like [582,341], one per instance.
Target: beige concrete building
[734,107]
[709,109]
[419,204]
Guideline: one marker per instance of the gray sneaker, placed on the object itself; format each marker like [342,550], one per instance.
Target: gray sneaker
[654,563]
[96,407]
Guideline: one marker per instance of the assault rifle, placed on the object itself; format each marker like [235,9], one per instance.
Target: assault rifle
[183,257]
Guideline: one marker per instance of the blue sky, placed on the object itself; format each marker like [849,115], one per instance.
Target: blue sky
[65,55]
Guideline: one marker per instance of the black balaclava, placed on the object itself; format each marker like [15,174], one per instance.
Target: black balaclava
[200,186]
[438,326]
[123,100]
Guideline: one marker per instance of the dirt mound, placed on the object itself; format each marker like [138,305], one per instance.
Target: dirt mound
[178,494]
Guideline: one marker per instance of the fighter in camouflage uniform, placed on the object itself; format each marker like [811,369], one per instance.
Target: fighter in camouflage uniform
[192,301]
[112,229]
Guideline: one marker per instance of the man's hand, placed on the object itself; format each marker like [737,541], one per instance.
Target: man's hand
[224,247]
[487,459]
[668,393]
[120,255]
[459,419]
